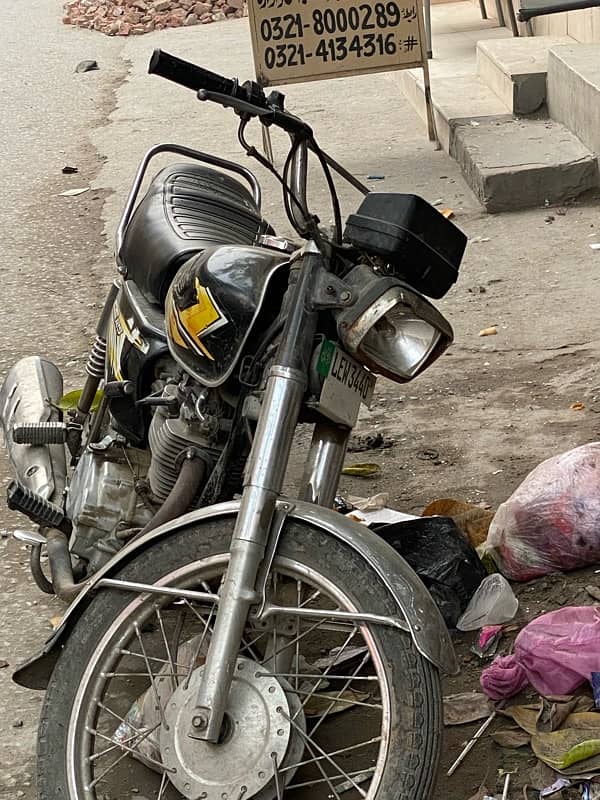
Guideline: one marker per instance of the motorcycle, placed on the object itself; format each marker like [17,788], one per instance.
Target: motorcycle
[224,641]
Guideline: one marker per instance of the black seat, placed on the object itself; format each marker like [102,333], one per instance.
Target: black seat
[187,208]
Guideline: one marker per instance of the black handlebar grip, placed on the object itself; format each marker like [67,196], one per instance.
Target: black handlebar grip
[189,75]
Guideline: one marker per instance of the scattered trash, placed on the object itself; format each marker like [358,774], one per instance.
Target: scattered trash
[447,212]
[475,124]
[555,653]
[595,681]
[370,441]
[339,656]
[465,707]
[374,503]
[428,455]
[74,192]
[479,239]
[595,246]
[549,219]
[367,470]
[383,516]
[438,202]
[551,521]
[474,521]
[491,331]
[375,177]
[67,170]
[441,556]
[557,786]
[55,622]
[489,639]
[471,743]
[506,785]
[86,66]
[493,603]
[481,794]
[18,723]
[577,406]
[3,663]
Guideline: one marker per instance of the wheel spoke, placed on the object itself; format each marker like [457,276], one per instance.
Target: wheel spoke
[151,675]
[309,761]
[338,696]
[338,655]
[127,750]
[174,681]
[279,794]
[312,746]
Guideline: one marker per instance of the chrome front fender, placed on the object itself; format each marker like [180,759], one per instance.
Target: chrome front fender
[420,614]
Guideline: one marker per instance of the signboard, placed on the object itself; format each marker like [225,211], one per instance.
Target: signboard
[307,40]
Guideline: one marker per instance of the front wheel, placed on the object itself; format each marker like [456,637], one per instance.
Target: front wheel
[319,708]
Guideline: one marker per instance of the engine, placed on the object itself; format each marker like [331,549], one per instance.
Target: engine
[116,489]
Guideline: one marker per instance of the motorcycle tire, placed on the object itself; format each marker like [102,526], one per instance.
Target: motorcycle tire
[412,686]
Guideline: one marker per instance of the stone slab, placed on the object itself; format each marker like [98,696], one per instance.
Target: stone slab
[574,90]
[512,164]
[457,98]
[515,69]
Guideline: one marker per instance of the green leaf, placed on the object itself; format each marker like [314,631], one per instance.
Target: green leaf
[70,400]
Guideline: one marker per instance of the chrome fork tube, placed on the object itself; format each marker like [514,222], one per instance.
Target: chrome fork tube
[264,476]
[324,464]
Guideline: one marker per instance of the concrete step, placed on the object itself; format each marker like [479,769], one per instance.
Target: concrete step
[517,163]
[515,69]
[455,99]
[574,90]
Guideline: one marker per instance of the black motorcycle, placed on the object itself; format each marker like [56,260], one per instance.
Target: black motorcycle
[219,648]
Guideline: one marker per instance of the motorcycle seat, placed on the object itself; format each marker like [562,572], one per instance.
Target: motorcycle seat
[187,208]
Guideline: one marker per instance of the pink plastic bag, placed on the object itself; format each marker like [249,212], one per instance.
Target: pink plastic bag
[555,653]
[552,521]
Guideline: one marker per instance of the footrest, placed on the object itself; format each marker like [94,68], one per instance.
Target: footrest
[40,433]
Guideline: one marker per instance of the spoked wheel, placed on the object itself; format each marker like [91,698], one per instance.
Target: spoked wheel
[319,708]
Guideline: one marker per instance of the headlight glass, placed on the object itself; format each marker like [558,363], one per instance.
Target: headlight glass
[391,328]
[399,342]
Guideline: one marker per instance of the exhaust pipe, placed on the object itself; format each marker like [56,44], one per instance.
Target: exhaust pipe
[32,389]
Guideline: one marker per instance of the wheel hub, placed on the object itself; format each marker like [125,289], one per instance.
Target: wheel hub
[256,727]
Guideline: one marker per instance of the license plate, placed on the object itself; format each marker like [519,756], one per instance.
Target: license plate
[346,384]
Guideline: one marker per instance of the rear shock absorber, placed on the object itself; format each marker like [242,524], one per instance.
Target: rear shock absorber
[96,363]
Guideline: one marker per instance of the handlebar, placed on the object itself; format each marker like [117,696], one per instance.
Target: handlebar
[189,75]
[248,98]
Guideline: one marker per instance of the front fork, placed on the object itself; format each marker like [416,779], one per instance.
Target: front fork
[264,477]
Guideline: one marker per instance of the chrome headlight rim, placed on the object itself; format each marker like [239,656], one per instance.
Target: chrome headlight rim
[378,295]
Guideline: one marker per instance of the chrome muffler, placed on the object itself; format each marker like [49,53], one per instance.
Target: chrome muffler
[29,396]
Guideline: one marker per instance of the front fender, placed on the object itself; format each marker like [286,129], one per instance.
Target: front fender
[422,617]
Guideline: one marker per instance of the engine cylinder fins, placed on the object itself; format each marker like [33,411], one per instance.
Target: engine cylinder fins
[37,508]
[169,440]
[96,362]
[39,433]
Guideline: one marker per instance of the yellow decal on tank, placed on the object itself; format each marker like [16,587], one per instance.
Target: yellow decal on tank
[187,326]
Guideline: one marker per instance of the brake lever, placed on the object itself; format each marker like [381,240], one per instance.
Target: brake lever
[268,116]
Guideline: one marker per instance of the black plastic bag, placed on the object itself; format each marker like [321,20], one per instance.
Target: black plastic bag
[442,557]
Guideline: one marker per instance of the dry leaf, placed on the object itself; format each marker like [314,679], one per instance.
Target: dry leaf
[333,703]
[577,406]
[473,520]
[491,331]
[447,212]
[55,622]
[511,738]
[465,707]
[74,192]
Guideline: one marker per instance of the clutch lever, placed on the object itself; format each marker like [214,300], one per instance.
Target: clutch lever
[268,116]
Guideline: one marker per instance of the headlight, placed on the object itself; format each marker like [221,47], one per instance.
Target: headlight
[391,328]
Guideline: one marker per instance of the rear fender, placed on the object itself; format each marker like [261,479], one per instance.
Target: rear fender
[420,614]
